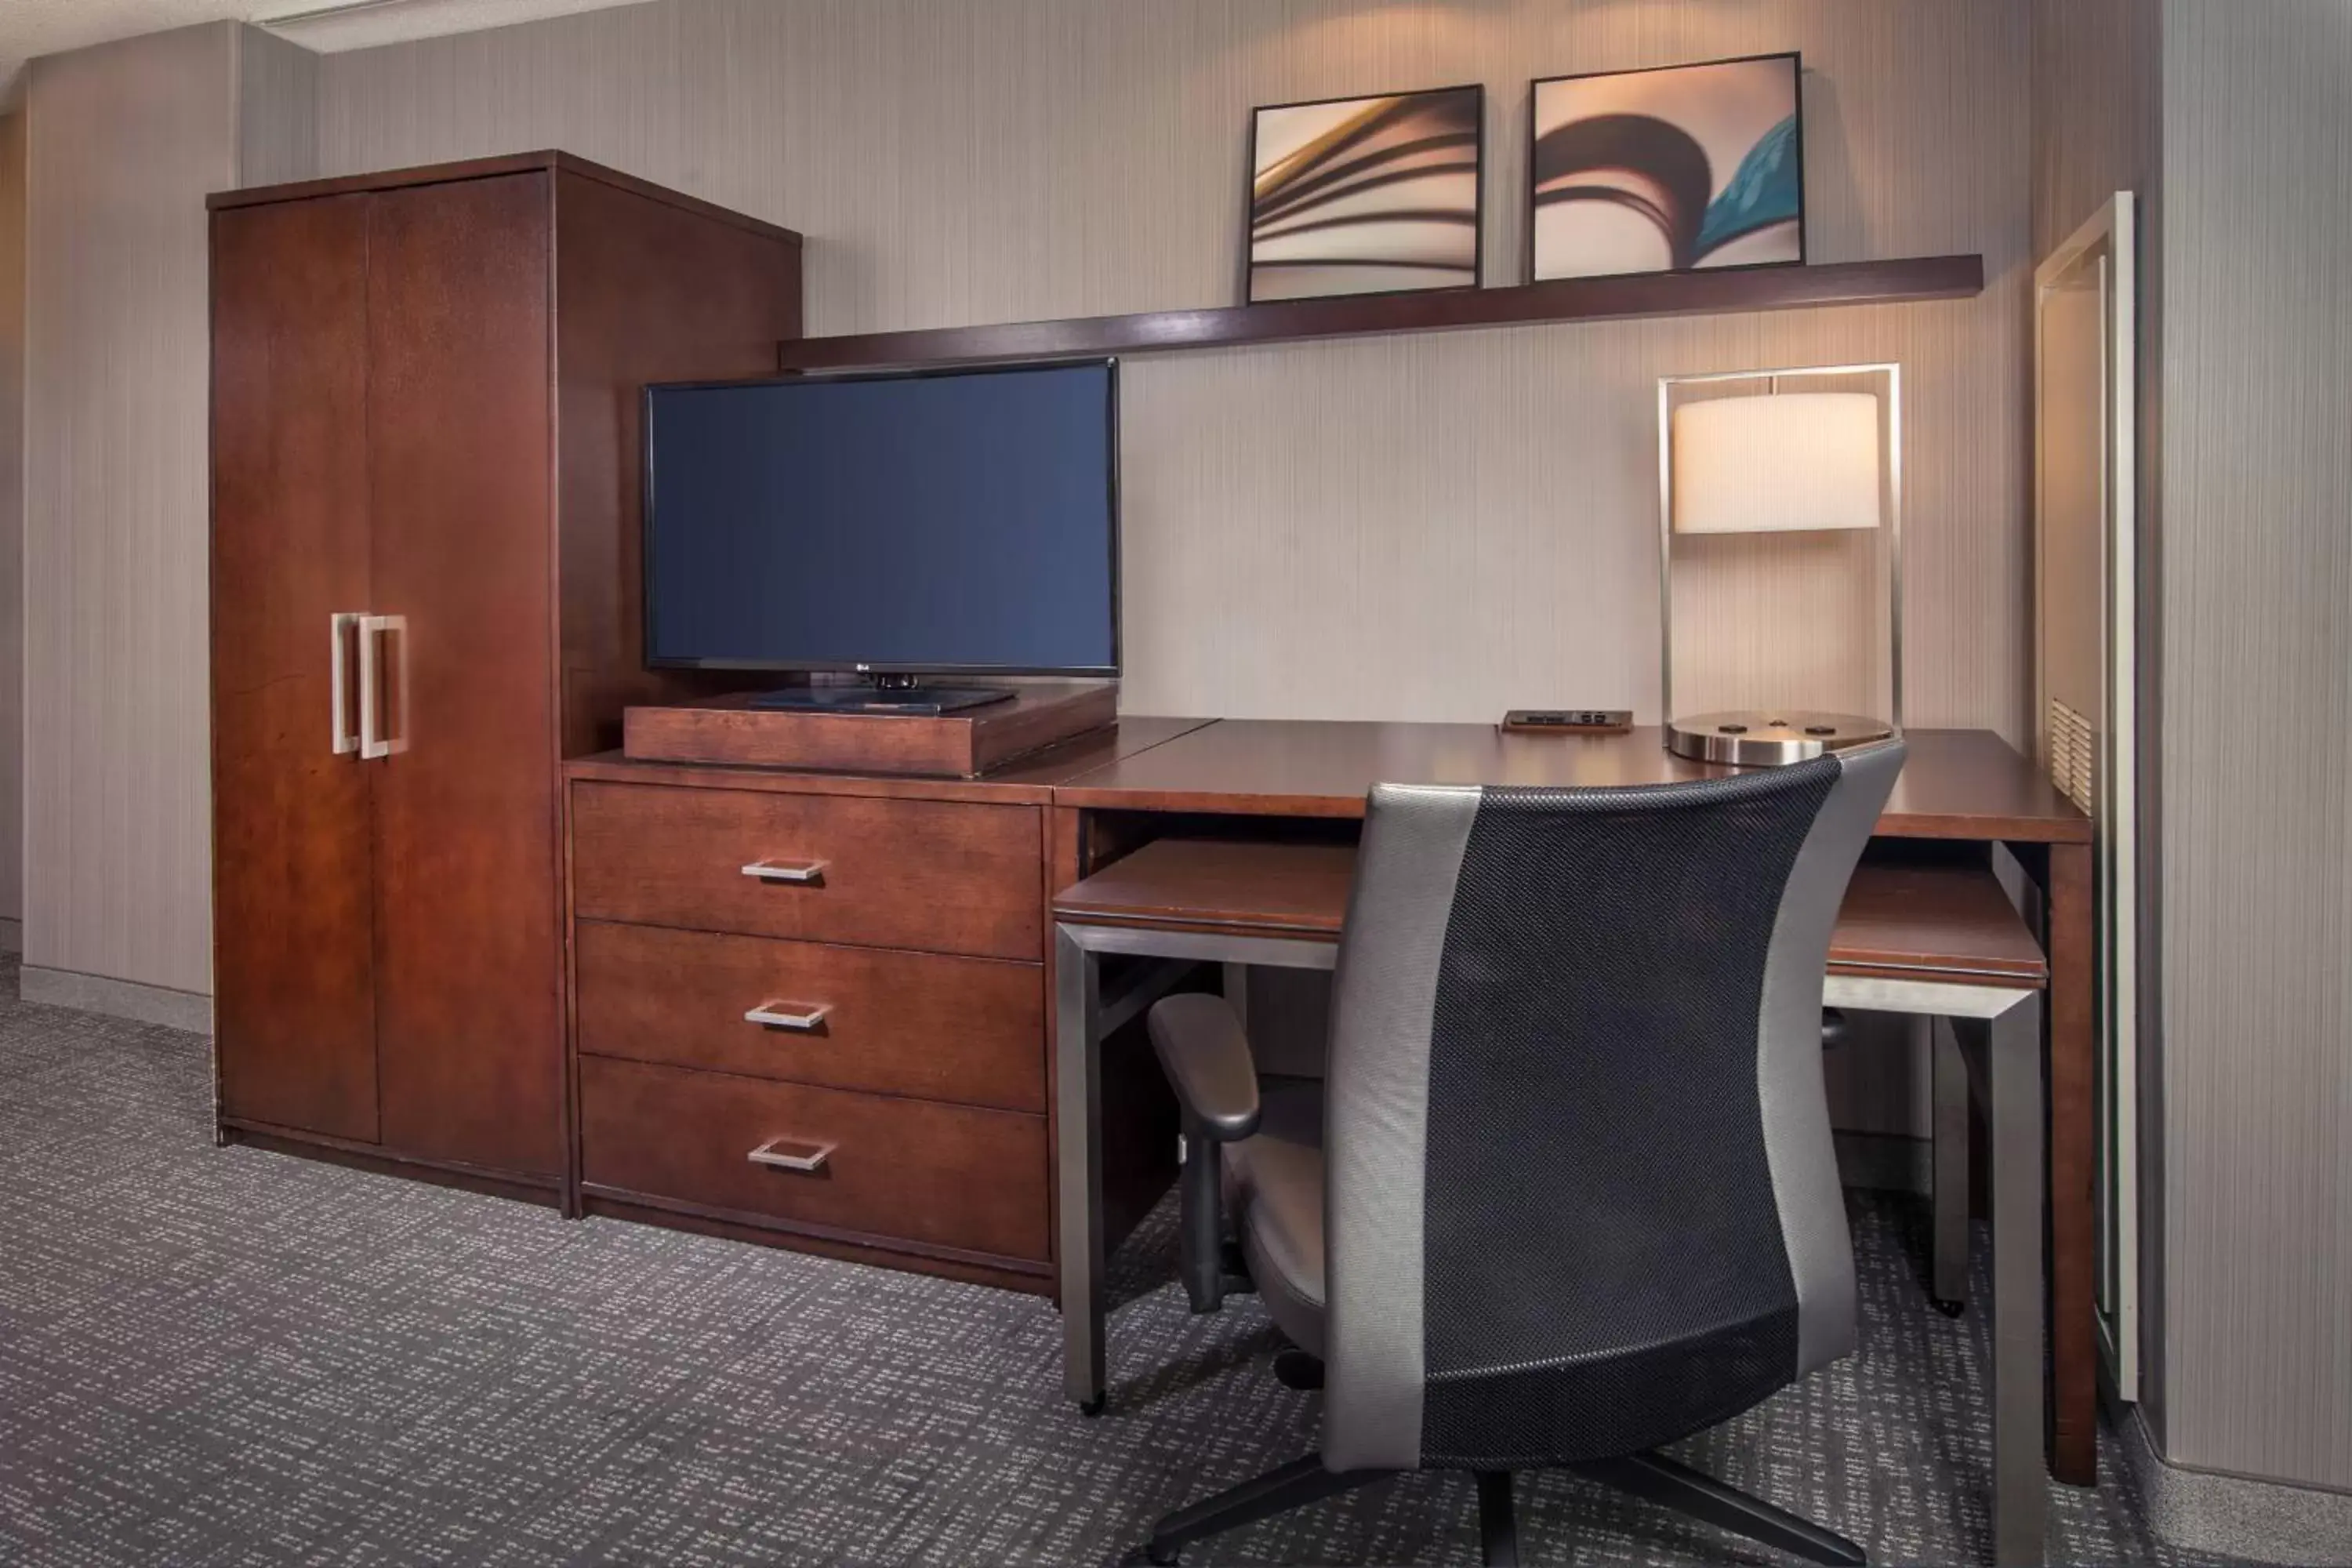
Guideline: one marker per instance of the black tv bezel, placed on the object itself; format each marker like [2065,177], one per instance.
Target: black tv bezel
[855,667]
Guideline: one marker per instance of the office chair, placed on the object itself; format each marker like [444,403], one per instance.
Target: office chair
[1572,1195]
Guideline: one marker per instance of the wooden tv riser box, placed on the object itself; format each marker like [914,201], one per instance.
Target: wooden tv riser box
[925,936]
[733,730]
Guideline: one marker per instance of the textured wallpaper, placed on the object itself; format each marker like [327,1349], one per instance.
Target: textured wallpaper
[1431,528]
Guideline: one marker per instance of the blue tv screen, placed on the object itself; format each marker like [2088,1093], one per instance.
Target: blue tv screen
[961,521]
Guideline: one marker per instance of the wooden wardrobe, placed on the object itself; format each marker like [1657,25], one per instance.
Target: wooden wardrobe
[426,393]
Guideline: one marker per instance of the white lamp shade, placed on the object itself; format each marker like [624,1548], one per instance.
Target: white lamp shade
[1782,463]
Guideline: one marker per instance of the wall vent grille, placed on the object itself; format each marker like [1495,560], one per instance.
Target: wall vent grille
[2074,757]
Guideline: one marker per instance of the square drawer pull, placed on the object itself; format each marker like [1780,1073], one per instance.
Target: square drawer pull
[792,1154]
[788,1015]
[808,871]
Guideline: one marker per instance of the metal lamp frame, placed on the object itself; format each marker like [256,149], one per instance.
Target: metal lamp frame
[1666,385]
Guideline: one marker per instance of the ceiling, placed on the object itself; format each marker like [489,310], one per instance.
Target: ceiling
[33,27]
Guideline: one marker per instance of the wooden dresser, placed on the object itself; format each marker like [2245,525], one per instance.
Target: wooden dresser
[850,963]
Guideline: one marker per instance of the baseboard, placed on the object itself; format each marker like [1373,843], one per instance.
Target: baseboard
[1885,1162]
[2235,1516]
[545,1191]
[12,935]
[189,1010]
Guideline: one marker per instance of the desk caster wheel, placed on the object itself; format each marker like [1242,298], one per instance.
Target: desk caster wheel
[1949,1309]
[1091,1407]
[1158,1556]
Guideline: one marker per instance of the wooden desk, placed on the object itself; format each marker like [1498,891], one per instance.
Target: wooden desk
[1940,941]
[1957,784]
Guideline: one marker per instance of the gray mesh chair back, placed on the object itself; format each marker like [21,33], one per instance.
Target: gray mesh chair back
[1580,1198]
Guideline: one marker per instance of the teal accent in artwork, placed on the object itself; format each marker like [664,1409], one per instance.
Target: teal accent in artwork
[1769,188]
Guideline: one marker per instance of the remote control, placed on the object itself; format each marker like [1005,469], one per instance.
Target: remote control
[1569,721]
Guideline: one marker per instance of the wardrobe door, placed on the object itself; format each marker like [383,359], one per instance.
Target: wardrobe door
[467,961]
[294,1004]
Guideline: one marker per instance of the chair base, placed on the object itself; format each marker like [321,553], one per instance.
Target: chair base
[1651,1477]
[1294,1485]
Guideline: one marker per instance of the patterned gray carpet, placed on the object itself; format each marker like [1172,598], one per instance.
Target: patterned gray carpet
[220,1355]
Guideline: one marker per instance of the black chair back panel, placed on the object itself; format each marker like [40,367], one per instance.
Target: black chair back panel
[1604,1268]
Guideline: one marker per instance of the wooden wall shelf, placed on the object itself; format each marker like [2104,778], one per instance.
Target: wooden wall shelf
[1566,300]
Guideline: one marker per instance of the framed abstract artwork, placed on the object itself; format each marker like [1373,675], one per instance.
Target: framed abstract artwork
[1667,170]
[1366,195]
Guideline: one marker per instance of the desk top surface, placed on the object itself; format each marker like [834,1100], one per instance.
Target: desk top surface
[1945,922]
[1955,783]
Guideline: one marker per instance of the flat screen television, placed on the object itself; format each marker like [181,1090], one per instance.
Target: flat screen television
[959,522]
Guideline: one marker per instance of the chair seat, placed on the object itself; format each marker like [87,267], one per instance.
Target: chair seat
[1277,1195]
[1291,1108]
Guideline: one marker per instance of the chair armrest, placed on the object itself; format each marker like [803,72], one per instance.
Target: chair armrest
[1206,1057]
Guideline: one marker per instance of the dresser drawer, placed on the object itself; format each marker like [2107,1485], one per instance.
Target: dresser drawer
[941,876]
[947,1175]
[920,1024]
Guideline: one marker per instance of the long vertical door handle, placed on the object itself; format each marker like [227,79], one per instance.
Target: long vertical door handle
[341,627]
[378,704]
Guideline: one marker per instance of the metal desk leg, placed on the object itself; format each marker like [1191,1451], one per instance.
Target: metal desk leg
[1949,1073]
[1236,988]
[2012,1083]
[1077,1006]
